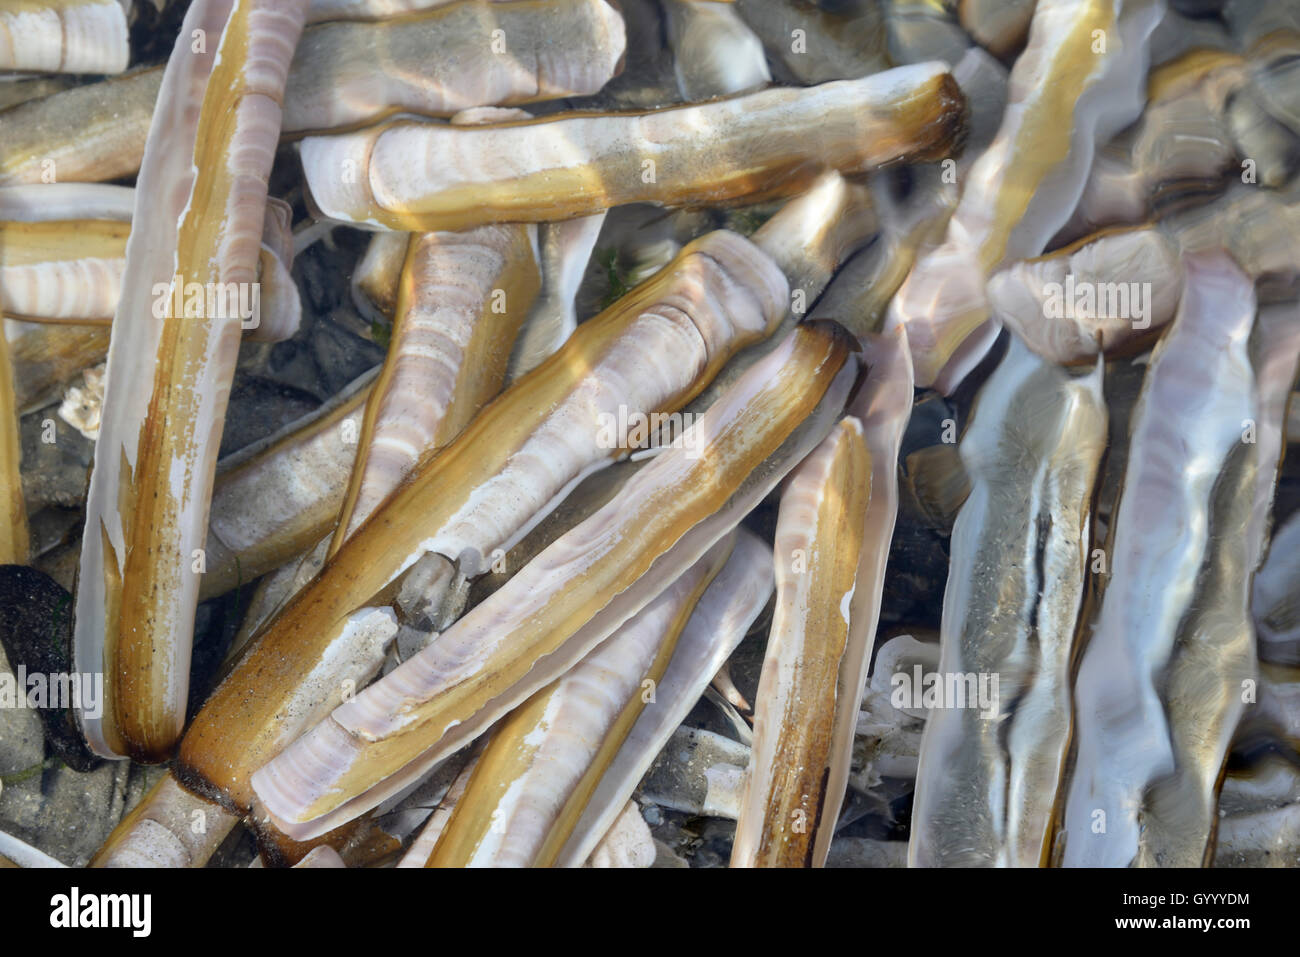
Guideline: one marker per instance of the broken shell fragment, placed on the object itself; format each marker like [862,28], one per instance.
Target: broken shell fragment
[419,176]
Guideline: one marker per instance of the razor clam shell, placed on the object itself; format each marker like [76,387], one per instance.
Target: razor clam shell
[537,771]
[18,853]
[883,405]
[809,238]
[331,774]
[320,10]
[14,92]
[628,842]
[923,30]
[446,60]
[1018,295]
[377,277]
[834,47]
[999,26]
[565,250]
[417,855]
[72,36]
[14,538]
[46,356]
[160,831]
[407,175]
[723,616]
[50,275]
[68,271]
[1275,600]
[1024,186]
[447,356]
[820,522]
[275,502]
[54,201]
[986,784]
[813,234]
[1181,145]
[651,351]
[1169,555]
[1259,228]
[714,53]
[90,133]
[147,696]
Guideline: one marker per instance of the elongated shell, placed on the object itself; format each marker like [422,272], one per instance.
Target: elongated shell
[724,614]
[450,59]
[272,504]
[1023,188]
[63,270]
[156,456]
[90,134]
[64,36]
[990,763]
[1177,544]
[407,175]
[463,299]
[536,774]
[652,351]
[818,539]
[573,595]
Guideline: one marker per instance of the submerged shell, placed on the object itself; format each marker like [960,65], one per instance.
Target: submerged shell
[991,756]
[1158,689]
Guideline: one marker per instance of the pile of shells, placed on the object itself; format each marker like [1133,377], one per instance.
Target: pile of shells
[649,433]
